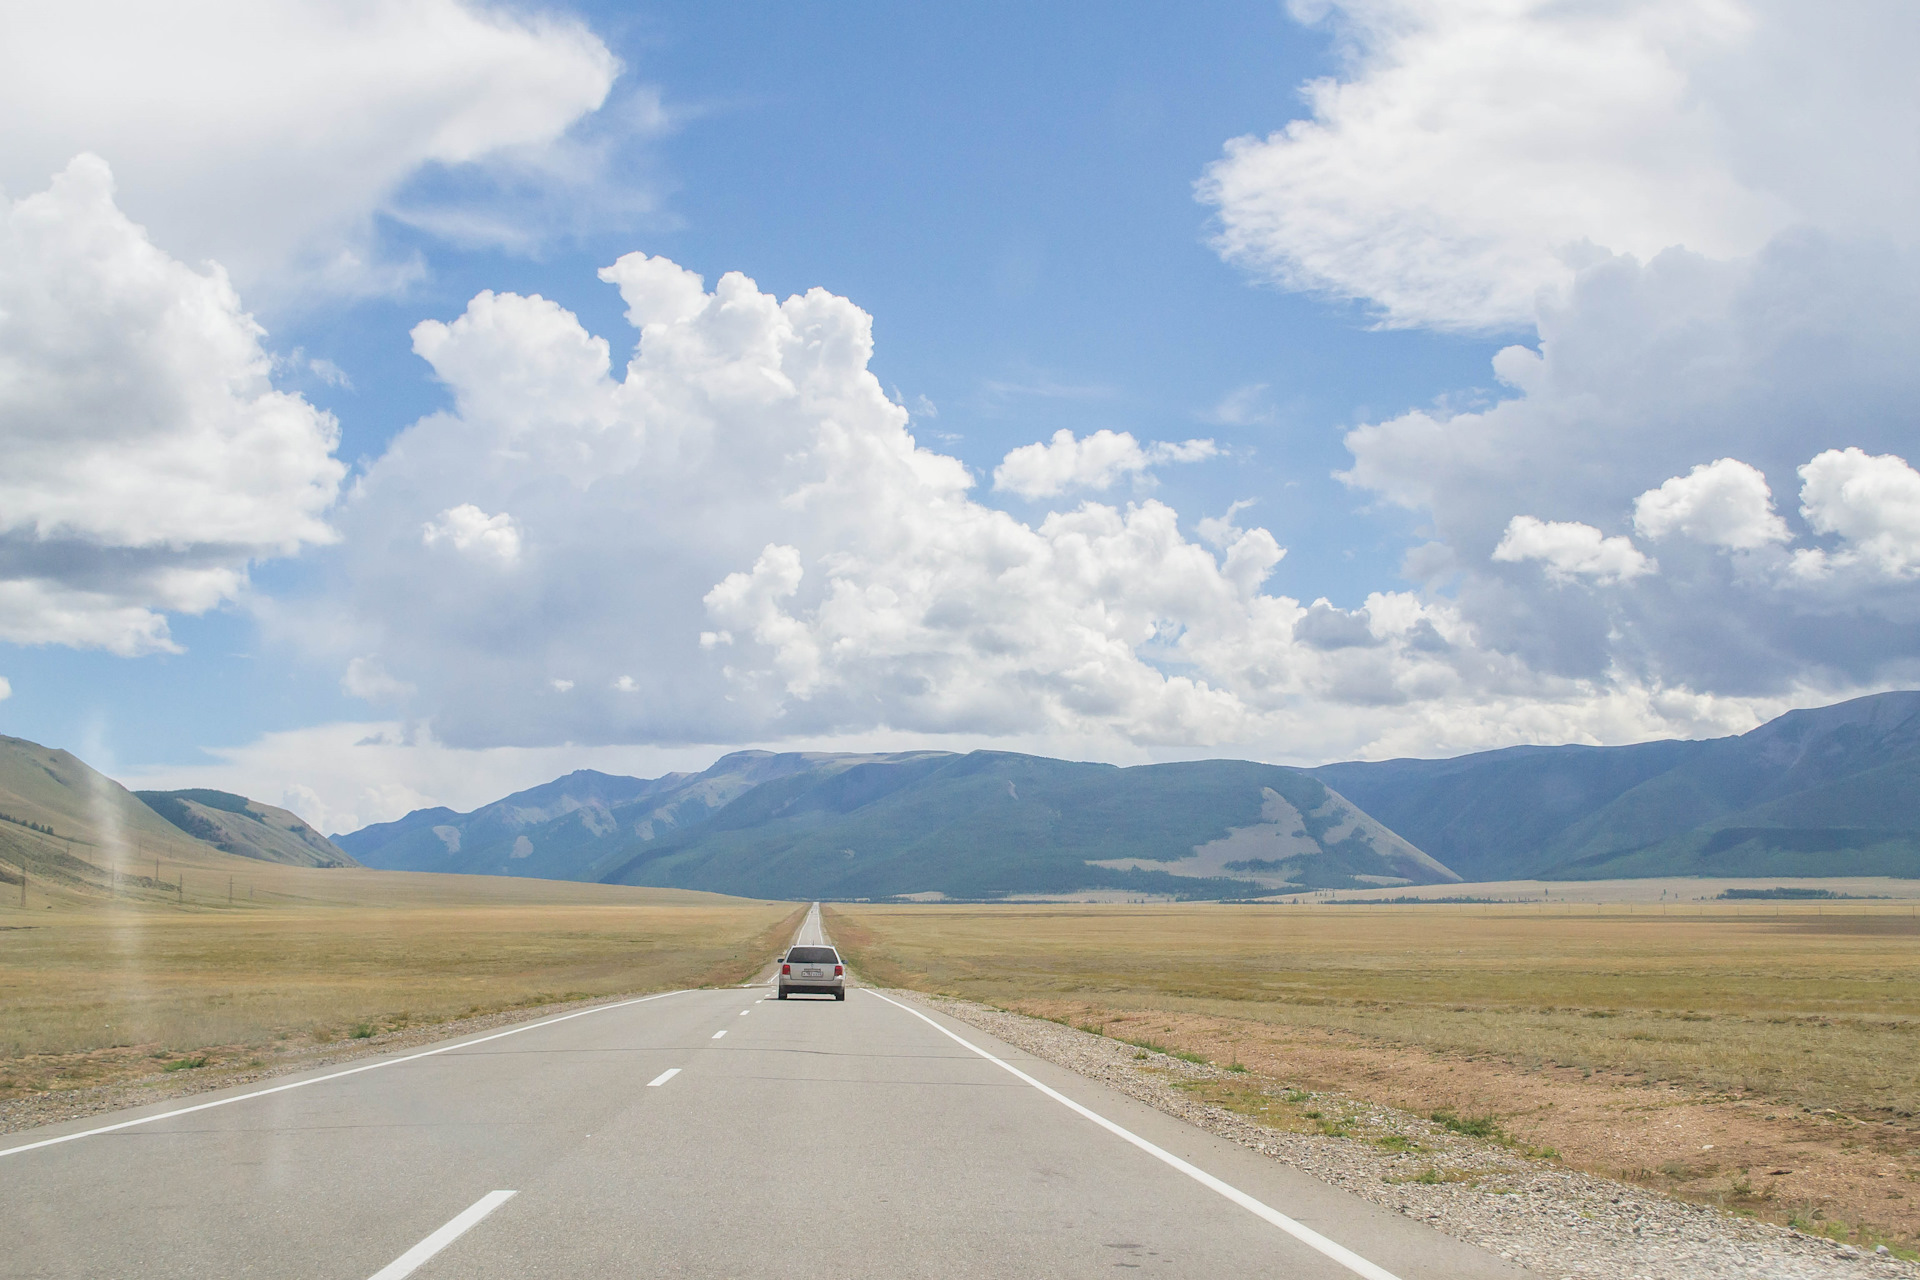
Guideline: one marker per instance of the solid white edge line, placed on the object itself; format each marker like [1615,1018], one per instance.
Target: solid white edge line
[408,1262]
[663,1077]
[351,1071]
[1304,1234]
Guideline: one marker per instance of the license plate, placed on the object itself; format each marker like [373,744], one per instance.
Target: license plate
[812,973]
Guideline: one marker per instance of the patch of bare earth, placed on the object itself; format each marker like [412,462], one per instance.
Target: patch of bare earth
[1822,1173]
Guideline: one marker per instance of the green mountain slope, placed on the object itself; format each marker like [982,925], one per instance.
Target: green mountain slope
[1823,792]
[982,825]
[235,824]
[77,831]
[992,824]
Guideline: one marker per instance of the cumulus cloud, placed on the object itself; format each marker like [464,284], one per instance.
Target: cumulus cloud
[1871,503]
[1569,551]
[740,539]
[468,528]
[1096,461]
[1704,213]
[1642,370]
[271,133]
[1472,155]
[1724,503]
[149,456]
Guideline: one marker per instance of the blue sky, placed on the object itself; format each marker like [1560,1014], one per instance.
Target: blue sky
[1010,193]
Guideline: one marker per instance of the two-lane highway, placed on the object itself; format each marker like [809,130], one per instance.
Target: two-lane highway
[698,1133]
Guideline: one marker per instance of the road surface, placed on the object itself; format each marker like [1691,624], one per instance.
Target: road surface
[697,1133]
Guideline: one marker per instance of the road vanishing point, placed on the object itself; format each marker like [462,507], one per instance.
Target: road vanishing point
[709,1133]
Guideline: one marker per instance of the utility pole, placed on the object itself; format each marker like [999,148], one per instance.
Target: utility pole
[23,884]
[229,890]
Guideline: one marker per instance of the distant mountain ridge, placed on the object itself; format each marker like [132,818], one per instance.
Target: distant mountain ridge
[235,824]
[982,825]
[1827,791]
[1823,792]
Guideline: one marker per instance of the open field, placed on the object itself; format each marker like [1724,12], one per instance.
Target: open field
[93,995]
[1765,1056]
[1666,890]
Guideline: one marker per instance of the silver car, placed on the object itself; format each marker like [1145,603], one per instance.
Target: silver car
[815,969]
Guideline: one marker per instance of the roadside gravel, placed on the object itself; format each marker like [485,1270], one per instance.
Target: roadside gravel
[1551,1220]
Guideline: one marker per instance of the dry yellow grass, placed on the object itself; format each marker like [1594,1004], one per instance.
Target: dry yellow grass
[90,994]
[1760,1058]
[1817,1005]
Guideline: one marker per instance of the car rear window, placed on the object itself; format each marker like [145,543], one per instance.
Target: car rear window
[812,955]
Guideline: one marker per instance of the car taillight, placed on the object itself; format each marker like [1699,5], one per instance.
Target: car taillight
[786,968]
[837,971]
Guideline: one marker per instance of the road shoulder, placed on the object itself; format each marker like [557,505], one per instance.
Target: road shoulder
[1552,1220]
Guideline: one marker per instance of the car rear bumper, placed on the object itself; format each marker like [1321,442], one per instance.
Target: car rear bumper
[814,988]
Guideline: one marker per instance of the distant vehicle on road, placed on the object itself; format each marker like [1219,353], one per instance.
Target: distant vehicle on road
[818,970]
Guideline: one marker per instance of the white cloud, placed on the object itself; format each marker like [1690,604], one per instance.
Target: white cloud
[267,134]
[740,530]
[1872,503]
[330,373]
[1569,551]
[468,528]
[740,541]
[1243,407]
[1724,503]
[1471,154]
[1220,531]
[365,678]
[148,455]
[1643,370]
[1092,462]
[561,686]
[6,689]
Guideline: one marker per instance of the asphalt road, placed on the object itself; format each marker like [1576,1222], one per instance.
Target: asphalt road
[699,1133]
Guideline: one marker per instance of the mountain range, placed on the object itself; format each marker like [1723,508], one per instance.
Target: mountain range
[927,824]
[1822,792]
[1828,791]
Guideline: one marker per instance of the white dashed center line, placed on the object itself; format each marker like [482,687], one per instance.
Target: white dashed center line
[663,1077]
[718,1034]
[409,1262]
[745,1012]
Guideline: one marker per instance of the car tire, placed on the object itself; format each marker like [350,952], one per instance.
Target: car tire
[840,995]
[783,993]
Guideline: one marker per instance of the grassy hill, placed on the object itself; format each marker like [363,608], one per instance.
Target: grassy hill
[235,824]
[78,833]
[984,825]
[1831,791]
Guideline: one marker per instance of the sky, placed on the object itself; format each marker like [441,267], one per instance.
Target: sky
[406,403]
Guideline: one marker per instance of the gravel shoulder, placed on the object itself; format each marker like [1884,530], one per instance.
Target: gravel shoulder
[1520,1206]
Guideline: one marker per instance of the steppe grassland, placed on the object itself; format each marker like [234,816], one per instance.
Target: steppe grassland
[1815,1005]
[86,995]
